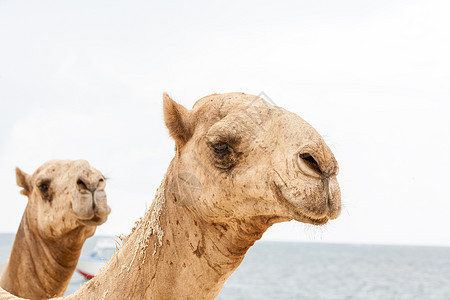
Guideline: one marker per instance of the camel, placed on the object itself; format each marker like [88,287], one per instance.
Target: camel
[66,202]
[240,166]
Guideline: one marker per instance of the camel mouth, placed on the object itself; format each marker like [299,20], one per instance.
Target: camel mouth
[298,215]
[94,221]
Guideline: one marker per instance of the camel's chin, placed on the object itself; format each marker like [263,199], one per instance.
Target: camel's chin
[299,217]
[296,212]
[94,221]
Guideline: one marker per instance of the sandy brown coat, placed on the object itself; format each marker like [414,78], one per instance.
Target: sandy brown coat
[66,201]
[240,166]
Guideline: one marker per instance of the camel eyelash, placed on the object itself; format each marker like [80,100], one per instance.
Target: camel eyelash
[221,148]
[231,140]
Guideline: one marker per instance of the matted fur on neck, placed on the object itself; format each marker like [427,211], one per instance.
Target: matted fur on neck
[147,226]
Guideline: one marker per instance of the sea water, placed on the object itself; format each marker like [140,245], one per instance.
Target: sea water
[315,271]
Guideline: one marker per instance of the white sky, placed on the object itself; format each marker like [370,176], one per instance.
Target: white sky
[84,79]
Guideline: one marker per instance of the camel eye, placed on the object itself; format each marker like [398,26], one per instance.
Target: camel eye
[220,147]
[43,187]
[223,156]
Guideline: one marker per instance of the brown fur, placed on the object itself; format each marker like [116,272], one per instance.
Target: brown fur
[22,180]
[54,227]
[177,121]
[244,166]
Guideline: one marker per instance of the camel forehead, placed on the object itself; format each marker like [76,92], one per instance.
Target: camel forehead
[70,168]
[224,104]
[254,111]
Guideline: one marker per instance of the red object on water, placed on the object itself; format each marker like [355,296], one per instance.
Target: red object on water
[88,276]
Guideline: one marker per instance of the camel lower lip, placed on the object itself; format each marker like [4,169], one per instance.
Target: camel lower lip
[94,221]
[298,215]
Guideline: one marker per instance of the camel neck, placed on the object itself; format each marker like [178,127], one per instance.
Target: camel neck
[46,266]
[173,254]
[197,257]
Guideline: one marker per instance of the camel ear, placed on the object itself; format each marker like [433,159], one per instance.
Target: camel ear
[177,119]
[23,180]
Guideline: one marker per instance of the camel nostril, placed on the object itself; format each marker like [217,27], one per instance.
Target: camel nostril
[310,162]
[81,184]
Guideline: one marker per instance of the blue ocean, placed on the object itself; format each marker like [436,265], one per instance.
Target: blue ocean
[315,271]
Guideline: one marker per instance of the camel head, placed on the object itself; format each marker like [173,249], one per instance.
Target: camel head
[239,158]
[64,195]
